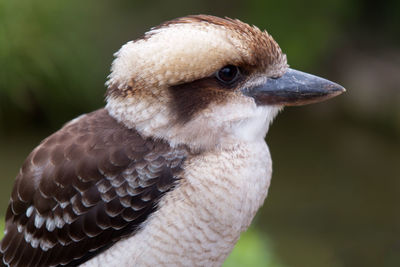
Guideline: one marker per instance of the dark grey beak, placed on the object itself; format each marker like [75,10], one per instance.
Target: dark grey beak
[292,89]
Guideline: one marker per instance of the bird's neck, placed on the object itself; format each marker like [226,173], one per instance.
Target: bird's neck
[222,128]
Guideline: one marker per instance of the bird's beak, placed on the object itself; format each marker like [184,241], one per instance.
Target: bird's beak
[294,88]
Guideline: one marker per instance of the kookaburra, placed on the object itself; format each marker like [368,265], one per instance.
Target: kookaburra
[175,166]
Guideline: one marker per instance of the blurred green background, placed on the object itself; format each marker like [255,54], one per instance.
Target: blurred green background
[334,198]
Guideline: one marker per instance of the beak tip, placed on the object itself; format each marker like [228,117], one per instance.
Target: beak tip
[335,88]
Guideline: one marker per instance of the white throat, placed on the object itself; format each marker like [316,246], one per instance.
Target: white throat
[255,128]
[218,126]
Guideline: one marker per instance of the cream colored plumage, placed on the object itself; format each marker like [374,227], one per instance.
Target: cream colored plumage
[200,221]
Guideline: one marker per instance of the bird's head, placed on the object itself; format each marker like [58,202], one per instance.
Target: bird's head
[206,82]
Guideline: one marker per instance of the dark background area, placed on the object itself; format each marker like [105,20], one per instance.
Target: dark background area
[335,193]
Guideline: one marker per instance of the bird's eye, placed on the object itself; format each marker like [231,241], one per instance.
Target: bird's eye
[228,74]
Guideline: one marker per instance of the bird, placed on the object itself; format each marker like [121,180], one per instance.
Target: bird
[175,166]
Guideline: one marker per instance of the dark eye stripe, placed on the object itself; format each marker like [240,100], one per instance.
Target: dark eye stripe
[190,98]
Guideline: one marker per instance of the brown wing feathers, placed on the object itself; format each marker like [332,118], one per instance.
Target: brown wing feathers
[82,189]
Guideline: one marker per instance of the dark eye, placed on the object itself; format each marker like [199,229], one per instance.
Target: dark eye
[228,74]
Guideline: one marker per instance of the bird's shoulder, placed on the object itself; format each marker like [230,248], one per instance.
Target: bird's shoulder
[83,188]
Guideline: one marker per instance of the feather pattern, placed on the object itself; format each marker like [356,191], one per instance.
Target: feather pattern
[84,188]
